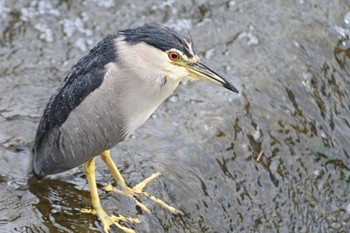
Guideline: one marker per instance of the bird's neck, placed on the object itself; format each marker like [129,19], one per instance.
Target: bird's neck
[136,96]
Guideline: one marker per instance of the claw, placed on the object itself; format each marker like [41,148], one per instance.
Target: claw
[138,190]
[108,221]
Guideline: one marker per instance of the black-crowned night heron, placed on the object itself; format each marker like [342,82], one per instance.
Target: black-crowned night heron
[106,96]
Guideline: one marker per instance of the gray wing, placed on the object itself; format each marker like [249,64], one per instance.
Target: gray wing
[68,135]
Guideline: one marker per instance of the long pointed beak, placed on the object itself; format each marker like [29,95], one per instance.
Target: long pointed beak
[203,72]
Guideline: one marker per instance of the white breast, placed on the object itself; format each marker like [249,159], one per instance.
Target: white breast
[136,98]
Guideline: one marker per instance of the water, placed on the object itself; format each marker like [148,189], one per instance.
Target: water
[290,61]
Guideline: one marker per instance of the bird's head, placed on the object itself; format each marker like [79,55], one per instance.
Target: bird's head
[155,48]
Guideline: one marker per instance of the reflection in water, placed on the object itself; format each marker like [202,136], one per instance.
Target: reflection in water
[59,200]
[274,159]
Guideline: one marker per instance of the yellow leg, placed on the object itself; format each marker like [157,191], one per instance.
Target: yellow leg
[107,220]
[106,157]
[137,189]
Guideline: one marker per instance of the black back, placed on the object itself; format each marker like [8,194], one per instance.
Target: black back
[85,77]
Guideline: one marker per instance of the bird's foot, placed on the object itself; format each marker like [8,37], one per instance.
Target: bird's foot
[108,221]
[137,190]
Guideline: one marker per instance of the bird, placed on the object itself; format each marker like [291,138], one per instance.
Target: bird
[105,97]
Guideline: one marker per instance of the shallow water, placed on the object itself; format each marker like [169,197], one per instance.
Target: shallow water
[291,63]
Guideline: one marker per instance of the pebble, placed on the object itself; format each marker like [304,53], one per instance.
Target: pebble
[347,18]
[347,208]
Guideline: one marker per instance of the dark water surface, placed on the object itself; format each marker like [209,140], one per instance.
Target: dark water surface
[289,59]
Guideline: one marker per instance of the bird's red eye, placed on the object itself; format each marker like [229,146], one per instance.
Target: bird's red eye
[174,56]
